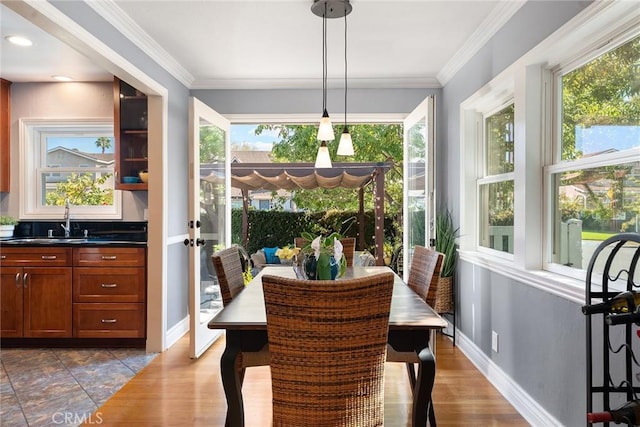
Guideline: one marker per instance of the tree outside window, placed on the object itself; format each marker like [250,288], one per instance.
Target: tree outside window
[597,177]
[496,188]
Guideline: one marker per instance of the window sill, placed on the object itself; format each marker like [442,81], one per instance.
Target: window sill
[562,286]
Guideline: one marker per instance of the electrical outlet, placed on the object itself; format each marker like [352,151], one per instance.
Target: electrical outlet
[494,341]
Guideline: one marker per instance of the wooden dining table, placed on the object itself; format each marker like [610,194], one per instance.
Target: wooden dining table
[411,322]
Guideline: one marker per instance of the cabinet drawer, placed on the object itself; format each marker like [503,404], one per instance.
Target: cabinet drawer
[35,256]
[108,320]
[95,284]
[105,257]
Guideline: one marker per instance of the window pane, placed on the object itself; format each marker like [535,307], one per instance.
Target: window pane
[499,142]
[601,104]
[416,183]
[496,216]
[81,159]
[591,205]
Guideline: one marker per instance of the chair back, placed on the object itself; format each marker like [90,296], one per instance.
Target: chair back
[229,271]
[328,343]
[349,249]
[424,273]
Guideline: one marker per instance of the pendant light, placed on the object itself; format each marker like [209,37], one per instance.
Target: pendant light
[327,9]
[323,159]
[325,130]
[345,147]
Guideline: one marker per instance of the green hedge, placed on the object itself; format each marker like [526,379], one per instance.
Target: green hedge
[279,228]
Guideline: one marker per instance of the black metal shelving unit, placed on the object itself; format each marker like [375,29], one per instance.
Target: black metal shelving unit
[611,270]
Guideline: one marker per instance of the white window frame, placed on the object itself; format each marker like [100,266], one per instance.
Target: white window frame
[481,167]
[32,151]
[600,27]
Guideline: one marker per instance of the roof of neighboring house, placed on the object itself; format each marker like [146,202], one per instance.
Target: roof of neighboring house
[250,156]
[104,158]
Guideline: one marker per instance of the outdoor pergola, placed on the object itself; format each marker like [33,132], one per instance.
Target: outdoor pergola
[305,176]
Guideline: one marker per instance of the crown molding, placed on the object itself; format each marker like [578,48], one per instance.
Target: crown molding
[113,14]
[499,16]
[354,83]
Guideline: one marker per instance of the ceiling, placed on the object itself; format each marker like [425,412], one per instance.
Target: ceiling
[255,44]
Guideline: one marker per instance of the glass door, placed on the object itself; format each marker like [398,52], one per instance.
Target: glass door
[209,217]
[419,181]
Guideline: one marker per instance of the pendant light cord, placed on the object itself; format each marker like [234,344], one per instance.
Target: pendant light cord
[324,59]
[345,67]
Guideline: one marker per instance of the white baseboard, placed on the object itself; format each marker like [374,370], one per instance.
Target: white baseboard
[177,331]
[530,410]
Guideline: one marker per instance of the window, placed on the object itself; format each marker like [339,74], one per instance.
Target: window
[495,188]
[595,176]
[68,159]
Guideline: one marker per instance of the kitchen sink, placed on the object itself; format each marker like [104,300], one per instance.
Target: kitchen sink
[45,240]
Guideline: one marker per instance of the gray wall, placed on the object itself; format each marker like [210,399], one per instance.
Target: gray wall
[542,340]
[309,101]
[176,167]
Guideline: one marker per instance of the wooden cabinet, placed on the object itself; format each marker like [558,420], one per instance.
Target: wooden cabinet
[130,128]
[5,135]
[36,292]
[109,292]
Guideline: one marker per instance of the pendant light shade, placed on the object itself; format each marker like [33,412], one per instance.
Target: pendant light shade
[345,147]
[325,131]
[323,159]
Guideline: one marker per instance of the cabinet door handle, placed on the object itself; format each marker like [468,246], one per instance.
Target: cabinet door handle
[17,279]
[3,257]
[109,285]
[109,320]
[49,257]
[24,279]
[109,257]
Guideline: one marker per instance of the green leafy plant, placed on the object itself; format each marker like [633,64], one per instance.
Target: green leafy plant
[324,251]
[8,220]
[446,234]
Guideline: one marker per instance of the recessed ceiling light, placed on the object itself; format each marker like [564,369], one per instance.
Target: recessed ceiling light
[19,40]
[62,78]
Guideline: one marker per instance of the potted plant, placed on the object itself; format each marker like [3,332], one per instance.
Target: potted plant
[323,258]
[7,225]
[446,235]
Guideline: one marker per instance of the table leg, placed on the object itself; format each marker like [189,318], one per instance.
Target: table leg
[422,405]
[232,381]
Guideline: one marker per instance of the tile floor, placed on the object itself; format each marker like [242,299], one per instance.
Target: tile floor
[62,386]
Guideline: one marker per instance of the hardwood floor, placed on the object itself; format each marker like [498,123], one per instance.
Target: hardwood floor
[174,390]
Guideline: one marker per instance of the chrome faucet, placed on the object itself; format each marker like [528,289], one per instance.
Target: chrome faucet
[67,225]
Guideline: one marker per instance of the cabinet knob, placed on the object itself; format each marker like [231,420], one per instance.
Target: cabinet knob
[109,320]
[109,285]
[49,257]
[109,257]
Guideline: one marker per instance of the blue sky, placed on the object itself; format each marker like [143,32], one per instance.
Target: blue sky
[244,134]
[84,144]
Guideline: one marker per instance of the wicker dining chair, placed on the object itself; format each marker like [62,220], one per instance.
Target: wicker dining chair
[348,247]
[328,347]
[228,268]
[424,275]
